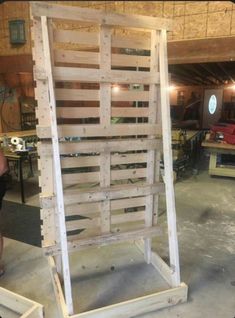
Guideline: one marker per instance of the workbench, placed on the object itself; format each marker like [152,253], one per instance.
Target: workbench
[216,149]
[19,157]
[19,134]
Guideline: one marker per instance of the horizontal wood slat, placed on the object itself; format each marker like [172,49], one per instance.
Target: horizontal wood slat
[94,95]
[93,58]
[99,194]
[87,209]
[76,178]
[99,131]
[72,225]
[106,239]
[92,39]
[100,76]
[44,148]
[98,16]
[94,112]
[93,161]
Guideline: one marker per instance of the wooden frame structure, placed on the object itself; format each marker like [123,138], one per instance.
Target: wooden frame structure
[11,303]
[92,167]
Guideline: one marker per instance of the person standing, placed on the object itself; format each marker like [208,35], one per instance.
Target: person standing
[3,170]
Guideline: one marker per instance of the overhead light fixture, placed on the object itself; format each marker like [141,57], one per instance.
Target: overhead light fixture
[116,88]
[171,88]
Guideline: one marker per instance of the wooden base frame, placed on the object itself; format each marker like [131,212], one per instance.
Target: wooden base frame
[17,305]
[131,308]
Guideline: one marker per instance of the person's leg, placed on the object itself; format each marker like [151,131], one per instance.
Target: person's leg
[1,252]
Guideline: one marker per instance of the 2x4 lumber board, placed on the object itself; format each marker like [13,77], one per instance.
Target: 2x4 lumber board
[168,162]
[151,155]
[94,112]
[42,111]
[121,174]
[44,148]
[100,17]
[105,118]
[99,130]
[161,266]
[105,239]
[94,95]
[57,169]
[92,39]
[92,58]
[19,304]
[140,305]
[59,295]
[67,74]
[94,195]
[91,208]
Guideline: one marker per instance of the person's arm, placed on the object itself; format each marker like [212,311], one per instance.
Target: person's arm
[3,164]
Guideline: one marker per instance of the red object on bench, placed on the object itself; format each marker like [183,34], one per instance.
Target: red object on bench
[227,131]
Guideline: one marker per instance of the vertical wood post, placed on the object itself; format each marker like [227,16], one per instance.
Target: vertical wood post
[57,168]
[105,118]
[168,162]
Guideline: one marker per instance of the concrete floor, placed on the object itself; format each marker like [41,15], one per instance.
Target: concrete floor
[206,228]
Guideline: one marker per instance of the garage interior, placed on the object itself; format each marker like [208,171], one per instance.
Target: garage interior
[201,65]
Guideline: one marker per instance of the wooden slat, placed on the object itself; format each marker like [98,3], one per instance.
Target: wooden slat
[99,131]
[77,112]
[86,177]
[99,194]
[77,94]
[98,16]
[93,161]
[92,39]
[115,192]
[90,223]
[87,209]
[94,95]
[99,146]
[106,239]
[96,75]
[94,112]
[92,58]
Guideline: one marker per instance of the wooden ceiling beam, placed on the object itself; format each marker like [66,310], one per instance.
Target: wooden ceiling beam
[213,74]
[199,74]
[202,50]
[226,72]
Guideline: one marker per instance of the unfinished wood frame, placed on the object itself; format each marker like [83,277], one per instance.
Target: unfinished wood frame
[14,304]
[99,177]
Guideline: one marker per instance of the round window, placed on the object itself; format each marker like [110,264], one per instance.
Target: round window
[212,104]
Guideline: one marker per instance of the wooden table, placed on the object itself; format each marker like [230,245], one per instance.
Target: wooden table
[216,149]
[19,134]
